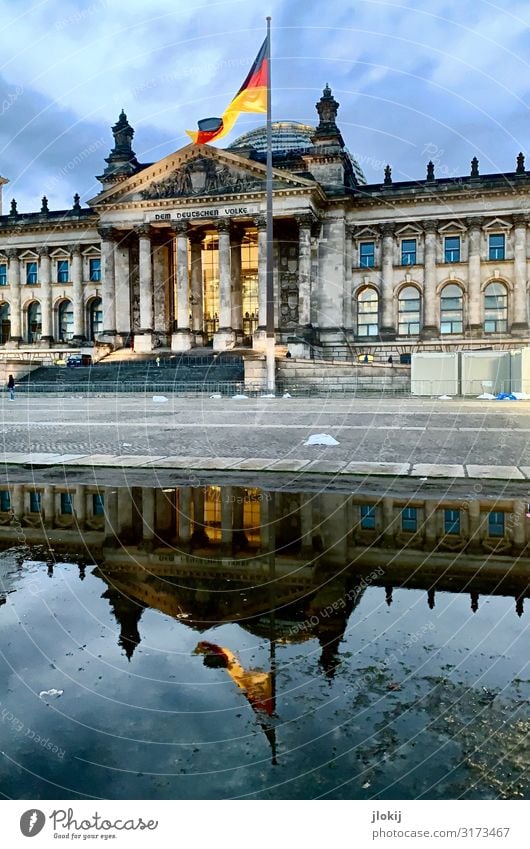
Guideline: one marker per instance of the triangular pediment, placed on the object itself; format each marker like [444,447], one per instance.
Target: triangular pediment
[198,171]
[452,227]
[498,224]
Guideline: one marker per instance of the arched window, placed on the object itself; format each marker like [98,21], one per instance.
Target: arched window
[95,318]
[409,311]
[451,309]
[368,313]
[495,308]
[65,315]
[34,322]
[5,323]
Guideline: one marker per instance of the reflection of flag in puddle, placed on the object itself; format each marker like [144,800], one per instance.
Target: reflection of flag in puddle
[255,684]
[528,511]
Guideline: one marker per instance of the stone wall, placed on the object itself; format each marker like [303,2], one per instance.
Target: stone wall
[300,375]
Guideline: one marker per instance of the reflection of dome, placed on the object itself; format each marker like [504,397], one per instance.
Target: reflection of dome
[287,137]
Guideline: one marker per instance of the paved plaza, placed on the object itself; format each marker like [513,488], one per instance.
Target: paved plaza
[376,436]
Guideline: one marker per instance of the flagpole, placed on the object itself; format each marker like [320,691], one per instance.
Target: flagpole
[271,377]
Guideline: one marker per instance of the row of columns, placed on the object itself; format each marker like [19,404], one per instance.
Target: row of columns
[430,329]
[189,284]
[44,293]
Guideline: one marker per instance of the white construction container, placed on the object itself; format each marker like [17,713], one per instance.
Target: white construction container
[520,370]
[435,373]
[484,371]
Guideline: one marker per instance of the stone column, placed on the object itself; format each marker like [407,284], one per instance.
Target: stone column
[519,312]
[17,503]
[14,284]
[388,330]
[260,335]
[474,526]
[304,271]
[45,280]
[236,284]
[518,524]
[389,523]
[80,505]
[77,293]
[112,525]
[48,503]
[348,282]
[474,324]
[122,282]
[148,515]
[197,309]
[224,338]
[181,340]
[430,329]
[143,340]
[108,284]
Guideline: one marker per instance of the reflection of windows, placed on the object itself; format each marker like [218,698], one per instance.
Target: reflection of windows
[94,269]
[496,246]
[409,305]
[368,517]
[34,502]
[367,313]
[452,521]
[496,524]
[63,271]
[31,273]
[452,249]
[495,308]
[451,309]
[212,513]
[408,252]
[3,274]
[5,500]
[66,504]
[367,254]
[409,519]
[98,505]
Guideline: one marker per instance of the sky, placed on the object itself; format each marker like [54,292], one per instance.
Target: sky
[429,79]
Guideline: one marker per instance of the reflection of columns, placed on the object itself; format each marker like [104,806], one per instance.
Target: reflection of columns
[430,324]
[17,503]
[111,517]
[304,270]
[184,518]
[48,503]
[77,292]
[200,536]
[14,284]
[474,238]
[197,310]
[45,279]
[518,524]
[146,278]
[148,514]
[227,518]
[236,321]
[224,337]
[474,524]
[306,526]
[80,505]
[520,310]
[389,529]
[431,523]
[108,282]
[267,520]
[181,340]
[388,330]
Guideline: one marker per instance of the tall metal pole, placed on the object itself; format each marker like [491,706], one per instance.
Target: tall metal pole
[271,377]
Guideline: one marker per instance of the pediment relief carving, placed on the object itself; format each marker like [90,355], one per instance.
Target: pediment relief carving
[204,176]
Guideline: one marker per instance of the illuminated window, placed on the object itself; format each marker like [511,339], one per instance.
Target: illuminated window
[451,309]
[368,313]
[409,307]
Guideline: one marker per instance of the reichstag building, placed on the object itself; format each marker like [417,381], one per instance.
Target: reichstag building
[171,255]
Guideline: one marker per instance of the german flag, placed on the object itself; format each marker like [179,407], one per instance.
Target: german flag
[251,97]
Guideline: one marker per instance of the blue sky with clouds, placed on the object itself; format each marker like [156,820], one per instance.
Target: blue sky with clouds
[438,79]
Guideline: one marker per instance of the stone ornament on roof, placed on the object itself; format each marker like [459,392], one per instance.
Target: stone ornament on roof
[203,176]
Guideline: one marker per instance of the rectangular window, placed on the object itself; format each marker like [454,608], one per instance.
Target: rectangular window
[67,503]
[409,519]
[3,274]
[5,501]
[63,271]
[452,521]
[496,524]
[367,254]
[496,246]
[31,274]
[34,502]
[408,252]
[452,249]
[98,505]
[94,266]
[368,517]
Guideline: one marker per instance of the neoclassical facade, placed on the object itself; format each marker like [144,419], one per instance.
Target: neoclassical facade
[172,254]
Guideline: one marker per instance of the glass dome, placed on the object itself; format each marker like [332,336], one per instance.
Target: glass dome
[287,137]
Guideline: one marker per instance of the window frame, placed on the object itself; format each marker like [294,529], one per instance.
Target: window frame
[449,253]
[368,256]
[452,525]
[403,313]
[94,276]
[500,325]
[409,520]
[62,274]
[3,274]
[373,327]
[35,501]
[406,254]
[28,273]
[451,319]
[368,517]
[493,255]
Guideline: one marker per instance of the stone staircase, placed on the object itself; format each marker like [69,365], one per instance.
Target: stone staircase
[190,372]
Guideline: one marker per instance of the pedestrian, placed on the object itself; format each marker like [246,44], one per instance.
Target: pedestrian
[11,387]
[390,360]
[366,360]
[157,362]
